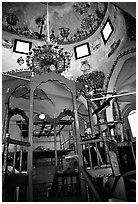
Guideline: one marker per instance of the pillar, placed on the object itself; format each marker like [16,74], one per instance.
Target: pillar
[30,148]
[79,150]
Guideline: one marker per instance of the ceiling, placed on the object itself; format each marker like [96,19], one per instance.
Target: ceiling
[129,7]
[68,21]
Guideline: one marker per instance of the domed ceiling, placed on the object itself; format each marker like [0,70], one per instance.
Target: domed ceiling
[69,22]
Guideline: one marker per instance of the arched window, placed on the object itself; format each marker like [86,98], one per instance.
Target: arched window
[132,122]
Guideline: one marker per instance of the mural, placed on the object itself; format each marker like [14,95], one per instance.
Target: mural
[114,46]
[30,20]
[126,52]
[7,43]
[130,26]
[93,80]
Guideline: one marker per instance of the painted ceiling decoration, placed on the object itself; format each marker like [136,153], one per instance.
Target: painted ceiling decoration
[130,26]
[85,66]
[7,43]
[20,60]
[66,15]
[96,44]
[29,20]
[121,55]
[114,46]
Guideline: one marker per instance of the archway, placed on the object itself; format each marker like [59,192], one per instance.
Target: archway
[123,80]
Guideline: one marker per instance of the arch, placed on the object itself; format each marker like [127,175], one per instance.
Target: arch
[128,108]
[122,62]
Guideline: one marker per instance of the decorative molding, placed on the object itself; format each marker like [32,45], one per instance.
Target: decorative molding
[17,71]
[126,52]
[18,111]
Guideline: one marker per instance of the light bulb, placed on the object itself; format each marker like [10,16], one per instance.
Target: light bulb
[42,116]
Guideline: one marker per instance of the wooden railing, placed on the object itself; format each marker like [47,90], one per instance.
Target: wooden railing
[13,179]
[7,142]
[99,154]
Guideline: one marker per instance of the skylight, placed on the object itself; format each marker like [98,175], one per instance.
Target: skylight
[21,46]
[107,30]
[82,50]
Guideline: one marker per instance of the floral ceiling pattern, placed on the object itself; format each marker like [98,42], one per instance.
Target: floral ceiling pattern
[29,19]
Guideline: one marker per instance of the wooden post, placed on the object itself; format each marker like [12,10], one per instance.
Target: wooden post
[30,148]
[97,154]
[120,118]
[55,147]
[5,136]
[21,155]
[77,132]
[6,144]
[4,170]
[79,149]
[90,157]
[91,186]
[6,116]
[90,117]
[14,158]
[106,149]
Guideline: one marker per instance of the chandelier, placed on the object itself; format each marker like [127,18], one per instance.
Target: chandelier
[40,59]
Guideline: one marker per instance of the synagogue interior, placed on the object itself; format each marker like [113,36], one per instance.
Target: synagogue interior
[68,101]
